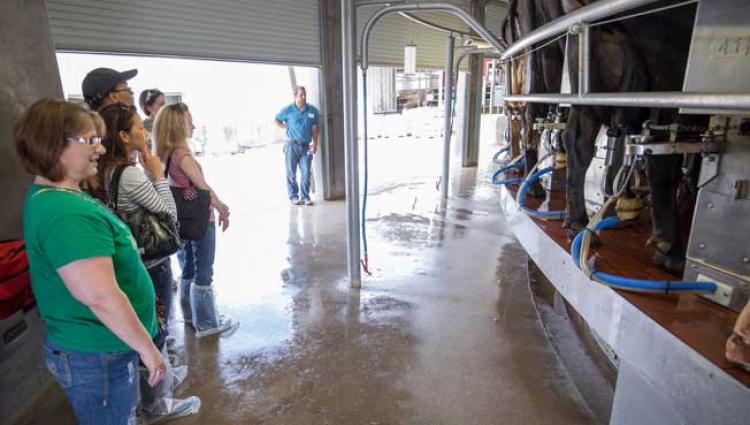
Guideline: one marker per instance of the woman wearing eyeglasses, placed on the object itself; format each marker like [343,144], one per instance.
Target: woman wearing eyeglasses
[93,292]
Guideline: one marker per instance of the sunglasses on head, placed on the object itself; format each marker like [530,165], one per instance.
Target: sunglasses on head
[152,95]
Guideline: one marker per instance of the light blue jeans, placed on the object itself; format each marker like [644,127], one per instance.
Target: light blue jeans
[101,387]
[296,154]
[197,257]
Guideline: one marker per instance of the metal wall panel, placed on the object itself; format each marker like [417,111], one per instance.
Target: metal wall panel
[393,32]
[282,31]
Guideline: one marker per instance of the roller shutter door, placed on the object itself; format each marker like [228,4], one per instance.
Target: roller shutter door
[278,31]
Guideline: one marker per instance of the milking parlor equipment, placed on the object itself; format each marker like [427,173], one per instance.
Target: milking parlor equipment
[715,85]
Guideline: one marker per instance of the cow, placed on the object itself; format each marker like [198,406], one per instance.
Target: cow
[647,53]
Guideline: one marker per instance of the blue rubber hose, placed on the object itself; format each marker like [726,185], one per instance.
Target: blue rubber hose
[524,189]
[365,261]
[513,165]
[509,181]
[498,153]
[630,283]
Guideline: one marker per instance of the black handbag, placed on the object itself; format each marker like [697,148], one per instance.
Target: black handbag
[155,233]
[193,208]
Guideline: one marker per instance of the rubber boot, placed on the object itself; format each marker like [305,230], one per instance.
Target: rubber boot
[205,318]
[187,313]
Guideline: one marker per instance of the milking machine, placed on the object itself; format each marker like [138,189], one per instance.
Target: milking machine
[636,152]
[511,149]
[551,146]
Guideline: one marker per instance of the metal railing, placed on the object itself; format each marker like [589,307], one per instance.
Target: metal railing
[577,23]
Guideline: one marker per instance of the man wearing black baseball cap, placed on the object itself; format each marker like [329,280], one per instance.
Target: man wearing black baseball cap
[105,86]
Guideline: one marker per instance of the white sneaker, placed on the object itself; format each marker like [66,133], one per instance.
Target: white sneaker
[306,202]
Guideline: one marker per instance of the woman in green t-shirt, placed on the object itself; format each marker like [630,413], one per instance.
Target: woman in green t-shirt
[93,291]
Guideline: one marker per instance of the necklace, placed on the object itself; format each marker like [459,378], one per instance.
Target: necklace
[79,193]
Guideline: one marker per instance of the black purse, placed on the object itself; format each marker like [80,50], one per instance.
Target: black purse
[193,208]
[155,233]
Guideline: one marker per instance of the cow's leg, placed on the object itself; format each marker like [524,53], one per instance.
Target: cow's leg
[664,174]
[579,139]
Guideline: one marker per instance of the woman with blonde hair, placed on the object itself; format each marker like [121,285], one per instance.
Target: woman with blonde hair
[172,129]
[93,291]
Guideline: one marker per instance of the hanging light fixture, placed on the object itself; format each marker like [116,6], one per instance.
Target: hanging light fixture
[410,53]
[410,59]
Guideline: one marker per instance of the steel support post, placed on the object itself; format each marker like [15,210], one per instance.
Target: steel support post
[349,77]
[447,126]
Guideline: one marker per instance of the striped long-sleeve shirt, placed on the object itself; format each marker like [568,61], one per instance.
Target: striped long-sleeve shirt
[136,190]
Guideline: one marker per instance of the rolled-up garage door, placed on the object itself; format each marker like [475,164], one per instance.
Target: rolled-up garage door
[278,31]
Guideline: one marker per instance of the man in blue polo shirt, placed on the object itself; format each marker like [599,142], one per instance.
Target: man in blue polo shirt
[300,120]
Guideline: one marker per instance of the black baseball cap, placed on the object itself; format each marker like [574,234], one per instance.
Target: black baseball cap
[100,82]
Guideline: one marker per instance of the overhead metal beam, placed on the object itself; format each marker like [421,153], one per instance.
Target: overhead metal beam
[644,100]
[587,14]
[437,27]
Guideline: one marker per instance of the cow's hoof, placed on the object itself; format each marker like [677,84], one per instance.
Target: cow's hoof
[672,264]
[572,225]
[573,228]
[536,190]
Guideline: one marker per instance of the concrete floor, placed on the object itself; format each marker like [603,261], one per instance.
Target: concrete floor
[443,332]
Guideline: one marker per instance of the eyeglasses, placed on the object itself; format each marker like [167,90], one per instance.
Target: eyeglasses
[93,140]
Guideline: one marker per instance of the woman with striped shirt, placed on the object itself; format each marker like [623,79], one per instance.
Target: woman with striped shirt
[149,190]
[145,189]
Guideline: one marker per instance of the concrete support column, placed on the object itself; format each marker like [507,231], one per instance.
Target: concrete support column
[332,136]
[28,72]
[470,142]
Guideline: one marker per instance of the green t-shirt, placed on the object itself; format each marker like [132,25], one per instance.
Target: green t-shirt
[61,226]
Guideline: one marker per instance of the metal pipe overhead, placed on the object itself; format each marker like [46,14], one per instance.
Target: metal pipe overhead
[644,100]
[359,3]
[587,14]
[444,7]
[349,77]
[448,90]
[487,51]
[436,27]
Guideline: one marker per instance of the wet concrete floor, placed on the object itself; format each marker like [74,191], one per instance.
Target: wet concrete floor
[443,332]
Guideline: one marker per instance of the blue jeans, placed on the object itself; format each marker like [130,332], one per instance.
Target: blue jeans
[161,276]
[197,257]
[296,154]
[101,387]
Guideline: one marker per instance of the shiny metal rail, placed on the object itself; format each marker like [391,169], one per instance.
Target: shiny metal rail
[644,100]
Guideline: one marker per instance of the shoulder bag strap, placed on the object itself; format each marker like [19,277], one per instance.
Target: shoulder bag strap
[166,168]
[114,187]
[169,161]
